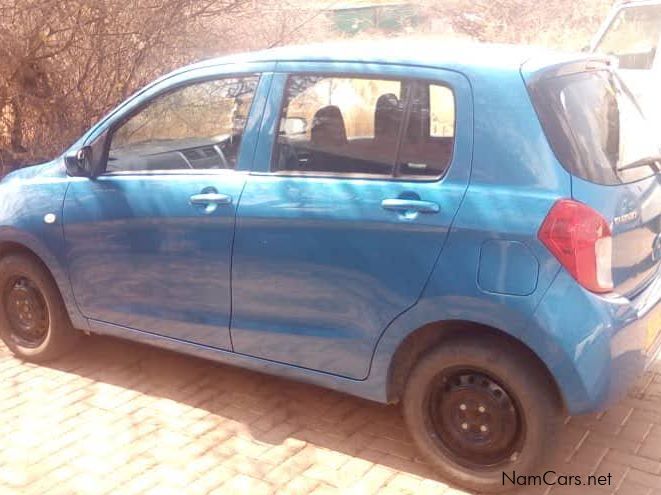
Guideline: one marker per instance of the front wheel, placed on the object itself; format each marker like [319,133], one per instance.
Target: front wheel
[34,323]
[477,412]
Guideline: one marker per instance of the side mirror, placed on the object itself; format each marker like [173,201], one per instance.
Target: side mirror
[79,164]
[88,161]
[295,126]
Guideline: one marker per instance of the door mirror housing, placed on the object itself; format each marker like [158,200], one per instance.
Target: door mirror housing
[79,164]
[88,161]
[295,126]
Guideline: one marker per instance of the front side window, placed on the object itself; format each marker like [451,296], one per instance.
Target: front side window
[199,126]
[366,127]
[633,36]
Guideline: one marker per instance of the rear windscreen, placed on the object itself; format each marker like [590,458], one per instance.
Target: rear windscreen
[595,127]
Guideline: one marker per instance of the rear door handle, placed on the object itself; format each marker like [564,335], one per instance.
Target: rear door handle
[410,205]
[211,199]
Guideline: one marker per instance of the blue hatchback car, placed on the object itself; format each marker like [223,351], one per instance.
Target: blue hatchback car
[473,231]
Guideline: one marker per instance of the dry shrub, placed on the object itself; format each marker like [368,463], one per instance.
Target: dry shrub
[64,64]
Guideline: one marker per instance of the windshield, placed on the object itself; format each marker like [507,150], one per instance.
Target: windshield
[633,36]
[595,127]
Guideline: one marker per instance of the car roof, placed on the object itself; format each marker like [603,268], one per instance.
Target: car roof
[462,56]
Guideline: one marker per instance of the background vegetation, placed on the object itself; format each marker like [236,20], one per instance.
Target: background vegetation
[64,64]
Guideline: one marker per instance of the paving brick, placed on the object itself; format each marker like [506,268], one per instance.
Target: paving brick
[405,483]
[645,479]
[374,479]
[324,475]
[589,456]
[298,486]
[212,479]
[291,467]
[123,418]
[651,447]
[617,414]
[323,489]
[633,461]
[616,471]
[617,442]
[632,488]
[431,487]
[635,431]
[395,448]
[244,484]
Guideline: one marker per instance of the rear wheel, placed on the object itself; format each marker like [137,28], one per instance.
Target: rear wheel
[33,320]
[476,412]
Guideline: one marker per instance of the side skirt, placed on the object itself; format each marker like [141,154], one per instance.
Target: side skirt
[360,388]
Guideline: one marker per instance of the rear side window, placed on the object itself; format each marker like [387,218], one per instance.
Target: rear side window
[595,127]
[365,127]
[426,148]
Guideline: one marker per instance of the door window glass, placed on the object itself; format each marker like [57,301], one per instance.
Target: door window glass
[428,143]
[354,126]
[196,127]
[336,125]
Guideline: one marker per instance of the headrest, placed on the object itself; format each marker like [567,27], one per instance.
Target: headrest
[387,116]
[328,127]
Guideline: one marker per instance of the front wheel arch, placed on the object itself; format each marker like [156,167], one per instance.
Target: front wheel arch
[34,321]
[10,246]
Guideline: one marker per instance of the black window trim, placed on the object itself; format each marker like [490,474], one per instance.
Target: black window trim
[359,176]
[113,126]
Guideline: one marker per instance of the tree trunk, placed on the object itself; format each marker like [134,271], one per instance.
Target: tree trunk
[16,129]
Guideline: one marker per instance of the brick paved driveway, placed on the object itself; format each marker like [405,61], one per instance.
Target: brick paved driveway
[123,418]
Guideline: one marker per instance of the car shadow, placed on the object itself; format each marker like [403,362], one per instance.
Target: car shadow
[267,408]
[148,384]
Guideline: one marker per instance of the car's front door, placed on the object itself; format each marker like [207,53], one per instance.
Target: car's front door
[359,172]
[149,241]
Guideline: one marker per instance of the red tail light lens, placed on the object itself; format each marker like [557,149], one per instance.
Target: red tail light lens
[581,240]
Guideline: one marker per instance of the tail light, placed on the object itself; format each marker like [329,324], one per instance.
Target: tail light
[581,240]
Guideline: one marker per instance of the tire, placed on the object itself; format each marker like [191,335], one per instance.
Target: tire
[34,323]
[478,409]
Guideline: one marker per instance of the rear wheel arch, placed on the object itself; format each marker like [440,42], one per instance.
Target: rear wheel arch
[428,337]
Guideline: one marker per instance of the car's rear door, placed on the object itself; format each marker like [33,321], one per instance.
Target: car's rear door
[359,172]
[149,241]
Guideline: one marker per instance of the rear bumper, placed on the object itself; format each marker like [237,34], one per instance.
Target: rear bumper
[597,347]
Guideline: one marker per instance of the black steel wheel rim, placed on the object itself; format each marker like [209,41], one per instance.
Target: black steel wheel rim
[26,311]
[474,419]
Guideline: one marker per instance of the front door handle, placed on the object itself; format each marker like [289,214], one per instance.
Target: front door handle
[205,199]
[410,205]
